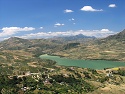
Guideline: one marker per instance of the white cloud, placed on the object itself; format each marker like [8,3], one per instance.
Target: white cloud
[112,5]
[8,31]
[58,24]
[68,11]
[41,28]
[71,19]
[105,30]
[96,33]
[89,8]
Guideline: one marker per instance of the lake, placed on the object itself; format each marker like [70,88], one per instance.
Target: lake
[94,64]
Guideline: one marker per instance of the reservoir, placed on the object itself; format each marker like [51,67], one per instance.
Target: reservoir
[94,64]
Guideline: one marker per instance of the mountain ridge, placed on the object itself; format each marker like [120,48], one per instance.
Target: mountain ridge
[118,36]
[110,48]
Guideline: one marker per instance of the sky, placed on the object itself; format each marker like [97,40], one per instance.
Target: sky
[31,19]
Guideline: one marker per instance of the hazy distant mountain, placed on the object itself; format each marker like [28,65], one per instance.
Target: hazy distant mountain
[77,38]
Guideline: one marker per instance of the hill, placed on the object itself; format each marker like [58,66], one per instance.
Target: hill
[120,36]
[24,72]
[15,43]
[29,45]
[79,46]
[43,46]
[110,48]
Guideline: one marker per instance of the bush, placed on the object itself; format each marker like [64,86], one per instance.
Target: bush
[121,72]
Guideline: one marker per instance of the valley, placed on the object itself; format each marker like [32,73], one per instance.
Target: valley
[23,70]
[62,47]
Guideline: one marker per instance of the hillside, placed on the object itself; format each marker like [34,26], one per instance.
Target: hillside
[14,43]
[42,46]
[25,74]
[120,36]
[79,46]
[36,46]
[22,71]
[110,48]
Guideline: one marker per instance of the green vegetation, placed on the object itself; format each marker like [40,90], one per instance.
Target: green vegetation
[121,72]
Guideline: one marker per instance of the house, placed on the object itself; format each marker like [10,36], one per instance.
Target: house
[112,71]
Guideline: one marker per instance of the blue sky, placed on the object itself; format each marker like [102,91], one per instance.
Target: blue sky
[49,18]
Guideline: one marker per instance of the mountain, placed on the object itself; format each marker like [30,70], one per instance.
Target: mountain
[110,48]
[14,43]
[79,46]
[77,38]
[113,40]
[21,67]
[36,46]
[119,36]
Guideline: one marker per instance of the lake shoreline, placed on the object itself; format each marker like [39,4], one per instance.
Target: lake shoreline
[61,56]
[93,64]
